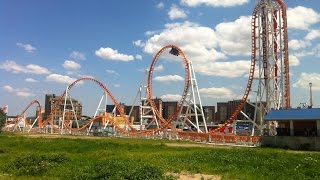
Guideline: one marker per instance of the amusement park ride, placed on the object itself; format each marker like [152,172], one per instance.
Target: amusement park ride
[268,83]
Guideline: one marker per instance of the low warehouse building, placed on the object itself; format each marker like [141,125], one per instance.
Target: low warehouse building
[296,128]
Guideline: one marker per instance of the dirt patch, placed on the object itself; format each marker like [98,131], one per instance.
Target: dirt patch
[188,176]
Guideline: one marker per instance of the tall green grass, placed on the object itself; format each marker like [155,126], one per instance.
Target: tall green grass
[120,158]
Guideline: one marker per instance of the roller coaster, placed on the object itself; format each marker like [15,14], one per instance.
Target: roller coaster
[270,87]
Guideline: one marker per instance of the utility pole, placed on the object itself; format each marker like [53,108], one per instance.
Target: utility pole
[311,104]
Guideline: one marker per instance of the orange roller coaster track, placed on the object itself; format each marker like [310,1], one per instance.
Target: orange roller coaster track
[167,122]
[25,110]
[104,88]
[257,17]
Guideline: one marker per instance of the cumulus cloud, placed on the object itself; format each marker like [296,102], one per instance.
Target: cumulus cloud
[313,34]
[168,78]
[302,18]
[138,57]
[306,78]
[196,41]
[225,69]
[296,44]
[31,80]
[27,47]
[71,65]
[158,68]
[171,97]
[24,92]
[200,45]
[77,55]
[215,92]
[214,3]
[7,88]
[110,54]
[238,43]
[293,60]
[12,66]
[176,12]
[60,79]
[138,43]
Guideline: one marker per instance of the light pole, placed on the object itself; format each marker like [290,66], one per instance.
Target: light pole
[311,104]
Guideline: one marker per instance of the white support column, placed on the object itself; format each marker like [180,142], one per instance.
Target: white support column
[291,128]
[64,111]
[74,113]
[193,104]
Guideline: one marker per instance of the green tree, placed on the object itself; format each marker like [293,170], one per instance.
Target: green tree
[3,117]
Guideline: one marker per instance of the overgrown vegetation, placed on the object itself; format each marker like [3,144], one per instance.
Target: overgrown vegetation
[115,158]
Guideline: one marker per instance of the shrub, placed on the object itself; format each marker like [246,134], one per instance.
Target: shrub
[33,164]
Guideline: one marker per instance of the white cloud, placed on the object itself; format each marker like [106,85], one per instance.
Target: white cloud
[160,5]
[60,78]
[77,55]
[171,97]
[302,18]
[224,69]
[71,65]
[214,92]
[306,78]
[138,43]
[315,51]
[31,80]
[24,94]
[176,13]
[27,47]
[7,88]
[238,43]
[313,34]
[116,85]
[12,66]
[150,33]
[298,44]
[138,57]
[158,68]
[214,3]
[196,41]
[293,60]
[168,78]
[199,43]
[110,54]
[110,71]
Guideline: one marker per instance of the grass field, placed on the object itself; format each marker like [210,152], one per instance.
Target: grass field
[28,157]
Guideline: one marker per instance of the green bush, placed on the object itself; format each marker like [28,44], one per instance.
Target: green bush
[118,169]
[33,164]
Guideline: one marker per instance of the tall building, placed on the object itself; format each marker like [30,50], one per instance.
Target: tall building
[209,113]
[222,111]
[135,114]
[51,99]
[169,108]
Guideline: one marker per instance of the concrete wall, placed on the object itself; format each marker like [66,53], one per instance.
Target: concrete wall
[292,142]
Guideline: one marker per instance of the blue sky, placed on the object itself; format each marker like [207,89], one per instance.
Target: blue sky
[47,44]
